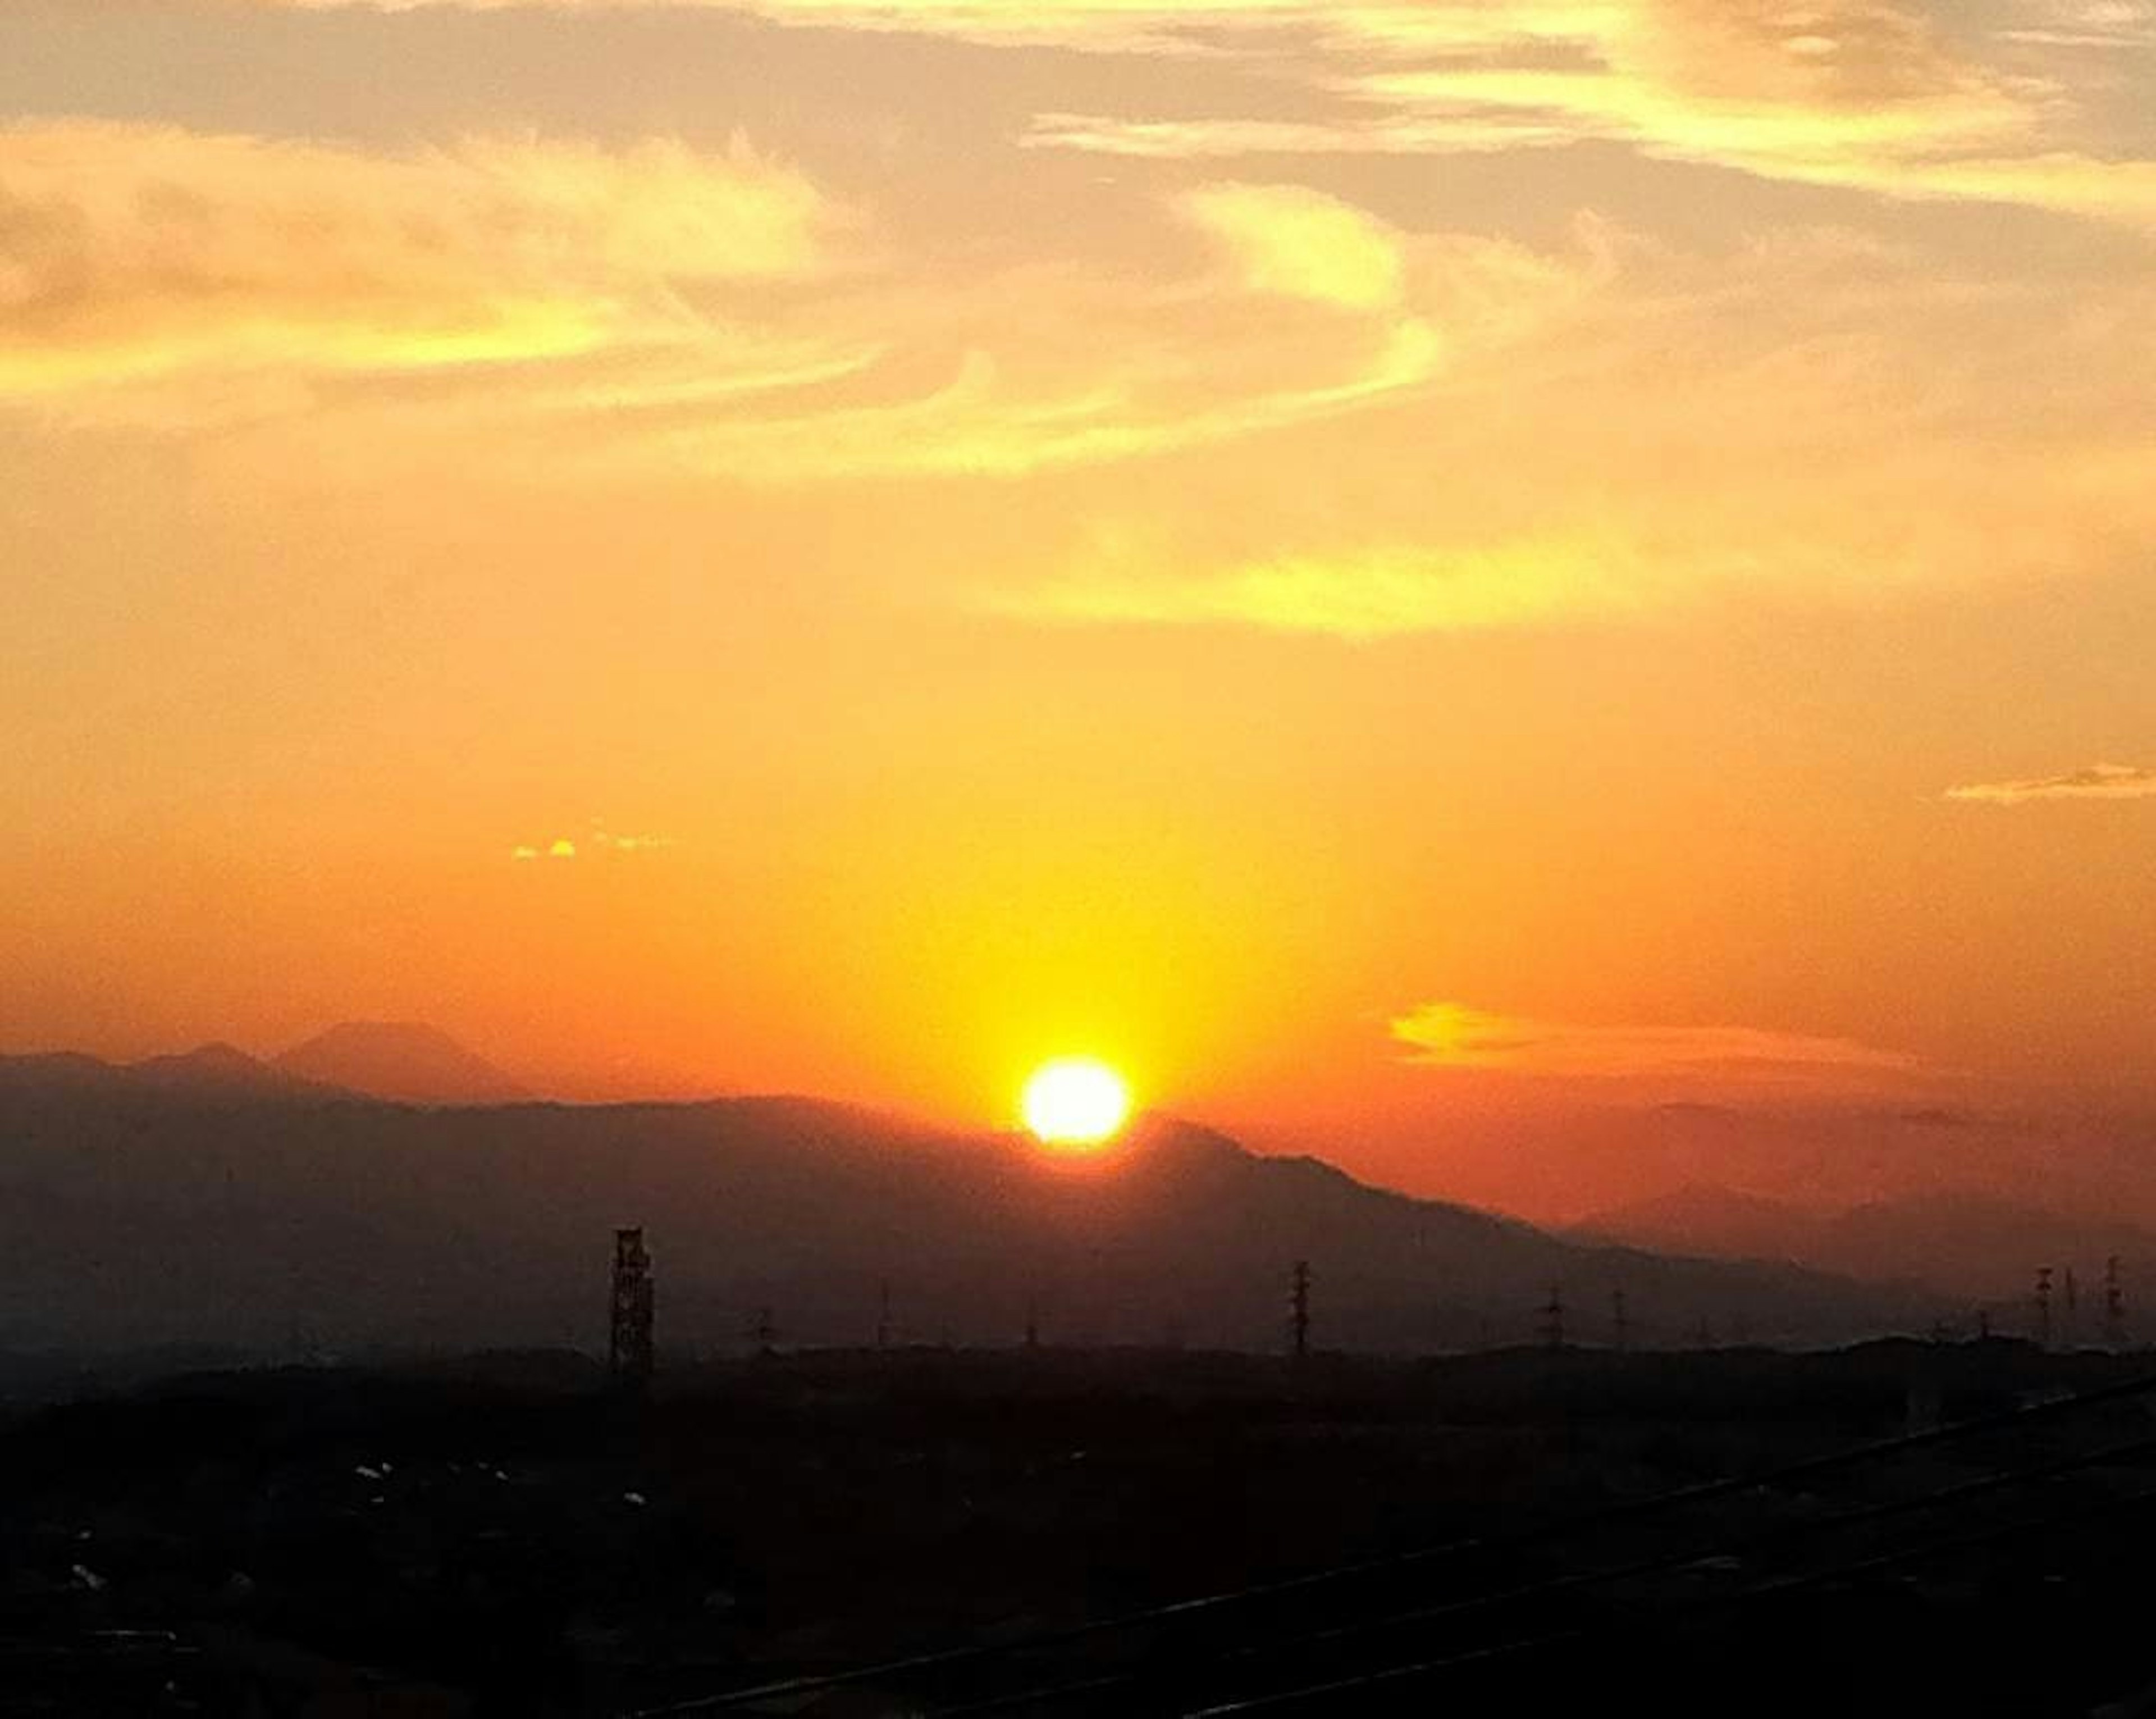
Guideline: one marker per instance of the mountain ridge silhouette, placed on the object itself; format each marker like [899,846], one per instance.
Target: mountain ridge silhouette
[140,1212]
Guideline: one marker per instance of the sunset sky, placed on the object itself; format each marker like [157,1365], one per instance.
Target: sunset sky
[1418,577]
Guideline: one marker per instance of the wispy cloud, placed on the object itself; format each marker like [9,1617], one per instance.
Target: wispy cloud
[1307,309]
[1453,1036]
[1874,96]
[1290,239]
[1355,596]
[133,254]
[2085,23]
[1532,432]
[1495,501]
[1862,95]
[646,307]
[2101,781]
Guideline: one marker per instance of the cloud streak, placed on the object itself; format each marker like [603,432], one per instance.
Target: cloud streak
[1450,1035]
[650,307]
[1356,596]
[1856,94]
[1876,96]
[131,254]
[2101,781]
[1617,441]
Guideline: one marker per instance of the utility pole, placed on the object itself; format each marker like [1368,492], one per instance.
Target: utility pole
[1552,1319]
[2043,1306]
[629,1313]
[1298,1306]
[1620,1325]
[2073,1310]
[2114,1306]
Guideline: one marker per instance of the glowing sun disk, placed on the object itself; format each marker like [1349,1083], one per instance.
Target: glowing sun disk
[1075,1101]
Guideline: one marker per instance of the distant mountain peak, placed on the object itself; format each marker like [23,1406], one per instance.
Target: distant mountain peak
[405,1062]
[216,1069]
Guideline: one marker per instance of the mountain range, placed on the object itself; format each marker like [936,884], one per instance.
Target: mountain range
[401,1062]
[1974,1247]
[212,1198]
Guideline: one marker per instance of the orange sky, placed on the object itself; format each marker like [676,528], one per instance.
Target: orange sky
[1416,576]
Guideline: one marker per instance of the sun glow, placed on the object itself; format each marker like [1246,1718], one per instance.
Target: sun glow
[1075,1101]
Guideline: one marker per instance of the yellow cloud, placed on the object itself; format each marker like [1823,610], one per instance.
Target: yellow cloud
[598,840]
[2102,781]
[1817,418]
[165,278]
[1113,24]
[1290,239]
[133,253]
[1861,95]
[1066,368]
[1451,1035]
[1359,595]
[990,422]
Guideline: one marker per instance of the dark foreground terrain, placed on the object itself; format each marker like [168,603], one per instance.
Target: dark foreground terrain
[1482,1534]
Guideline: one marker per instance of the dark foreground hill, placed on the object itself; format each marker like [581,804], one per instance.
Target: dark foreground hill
[271,1216]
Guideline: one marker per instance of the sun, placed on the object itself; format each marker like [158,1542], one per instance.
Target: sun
[1075,1101]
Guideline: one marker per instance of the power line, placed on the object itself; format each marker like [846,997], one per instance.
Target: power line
[1773,1590]
[1960,1493]
[1176,1611]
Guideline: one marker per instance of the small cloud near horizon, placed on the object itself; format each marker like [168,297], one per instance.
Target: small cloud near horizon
[2099,781]
[602,841]
[1448,1035]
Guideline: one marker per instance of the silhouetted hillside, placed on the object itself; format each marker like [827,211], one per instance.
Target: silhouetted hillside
[1714,1223]
[292,1218]
[210,1072]
[1968,1245]
[401,1061]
